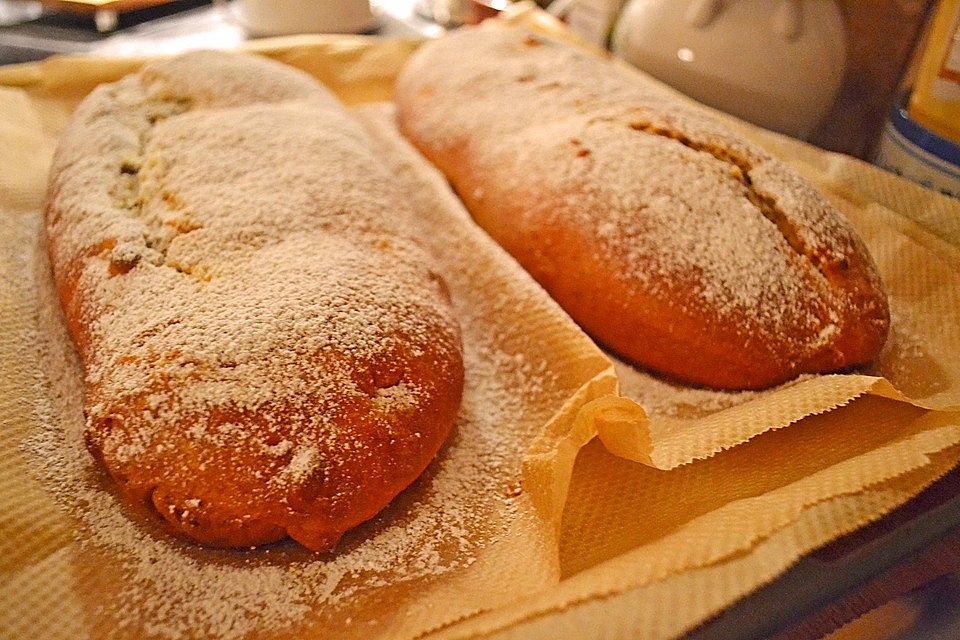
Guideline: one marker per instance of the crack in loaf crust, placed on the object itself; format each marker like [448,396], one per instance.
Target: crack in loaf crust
[266,349]
[670,240]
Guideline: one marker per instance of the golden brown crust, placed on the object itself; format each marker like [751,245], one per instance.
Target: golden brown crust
[267,351]
[667,238]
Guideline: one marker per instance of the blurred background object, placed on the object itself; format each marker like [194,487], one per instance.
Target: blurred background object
[913,151]
[32,30]
[935,99]
[12,13]
[775,63]
[105,13]
[448,13]
[921,140]
[881,36]
[453,13]
[285,17]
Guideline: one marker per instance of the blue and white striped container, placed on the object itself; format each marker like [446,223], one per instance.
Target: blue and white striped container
[915,152]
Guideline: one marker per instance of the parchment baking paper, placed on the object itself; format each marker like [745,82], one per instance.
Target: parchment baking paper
[641,551]
[74,563]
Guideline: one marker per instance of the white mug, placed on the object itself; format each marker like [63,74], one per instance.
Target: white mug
[284,17]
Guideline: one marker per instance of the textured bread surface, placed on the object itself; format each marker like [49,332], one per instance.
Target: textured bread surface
[670,240]
[266,348]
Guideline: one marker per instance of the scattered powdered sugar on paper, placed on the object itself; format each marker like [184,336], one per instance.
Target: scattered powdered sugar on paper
[909,360]
[662,398]
[904,345]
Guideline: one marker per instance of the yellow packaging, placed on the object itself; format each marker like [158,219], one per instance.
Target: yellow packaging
[935,102]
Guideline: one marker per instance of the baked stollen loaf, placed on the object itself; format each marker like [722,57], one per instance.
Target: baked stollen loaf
[670,240]
[266,349]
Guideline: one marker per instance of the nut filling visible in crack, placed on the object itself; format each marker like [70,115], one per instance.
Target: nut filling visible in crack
[159,229]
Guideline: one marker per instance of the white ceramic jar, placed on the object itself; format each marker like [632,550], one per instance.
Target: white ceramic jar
[776,63]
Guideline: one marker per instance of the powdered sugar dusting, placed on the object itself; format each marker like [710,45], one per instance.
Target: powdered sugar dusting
[399,396]
[304,461]
[245,274]
[141,583]
[721,237]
